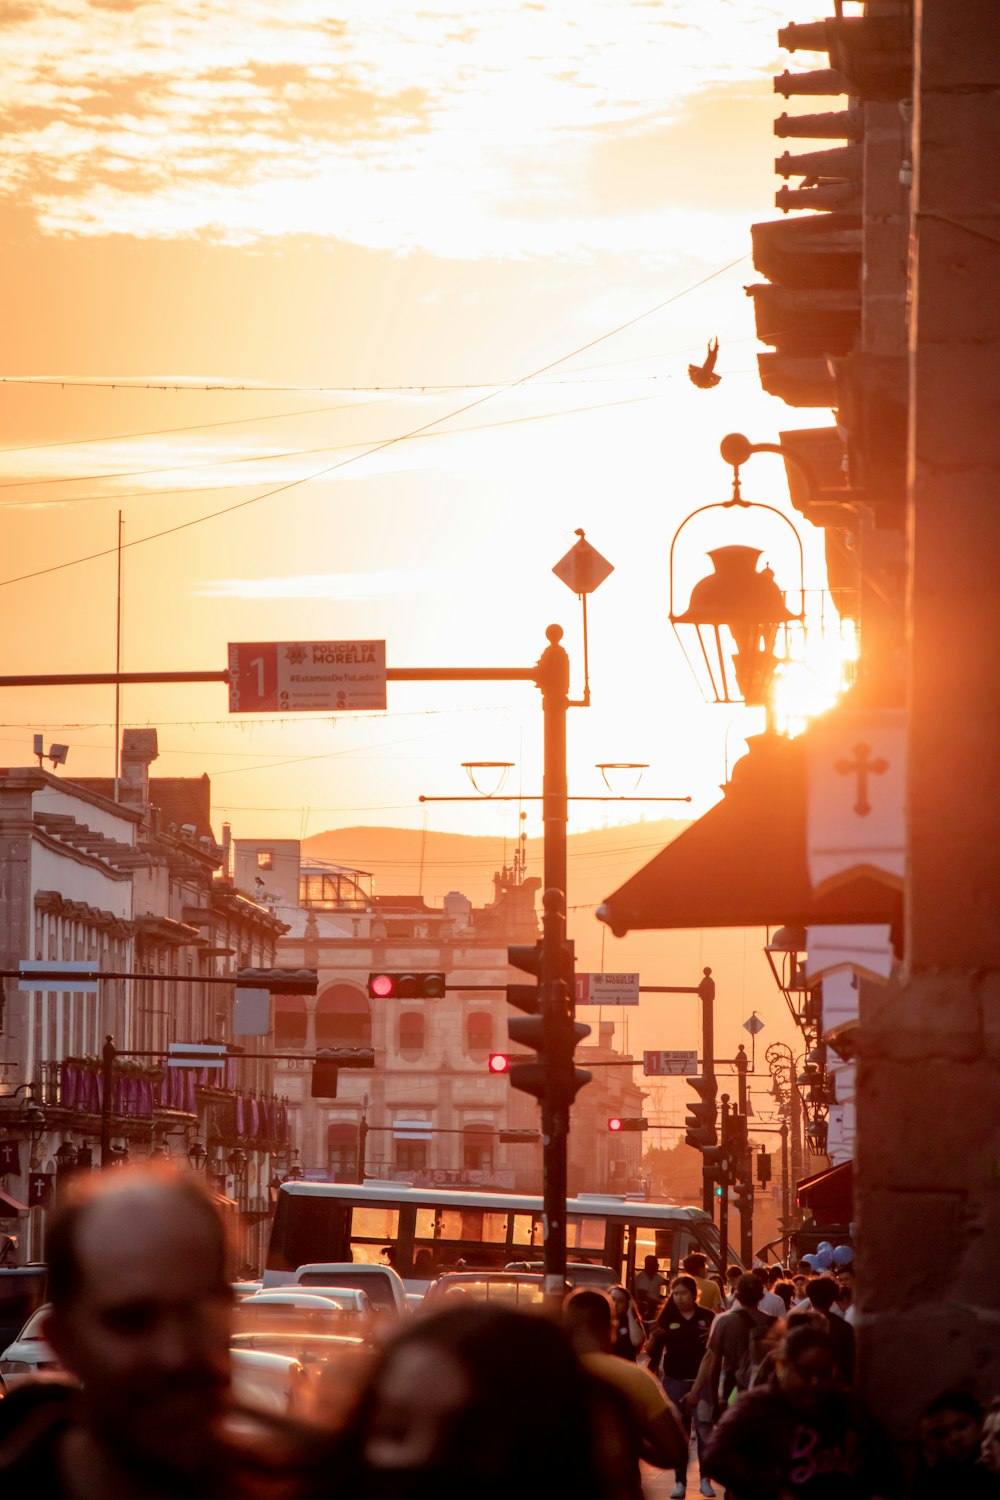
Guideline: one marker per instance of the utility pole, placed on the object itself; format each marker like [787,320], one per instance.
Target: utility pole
[743,1165]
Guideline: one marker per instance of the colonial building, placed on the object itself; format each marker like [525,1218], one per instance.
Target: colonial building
[127,886]
[430,1110]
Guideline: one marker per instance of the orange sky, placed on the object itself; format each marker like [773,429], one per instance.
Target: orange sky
[339,202]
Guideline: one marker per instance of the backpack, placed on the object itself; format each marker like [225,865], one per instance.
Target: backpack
[757,1347]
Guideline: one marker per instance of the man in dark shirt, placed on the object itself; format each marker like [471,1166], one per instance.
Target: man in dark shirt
[822,1292]
[676,1346]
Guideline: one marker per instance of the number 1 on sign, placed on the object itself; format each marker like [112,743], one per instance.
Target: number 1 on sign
[258,662]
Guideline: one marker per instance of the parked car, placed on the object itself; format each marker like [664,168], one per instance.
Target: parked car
[29,1354]
[515,1289]
[22,1290]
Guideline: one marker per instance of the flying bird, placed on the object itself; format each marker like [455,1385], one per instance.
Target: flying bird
[704,376]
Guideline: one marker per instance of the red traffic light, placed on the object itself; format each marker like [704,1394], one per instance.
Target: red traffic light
[634,1122]
[615,1124]
[499,1062]
[412,986]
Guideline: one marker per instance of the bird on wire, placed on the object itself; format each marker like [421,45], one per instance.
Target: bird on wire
[704,376]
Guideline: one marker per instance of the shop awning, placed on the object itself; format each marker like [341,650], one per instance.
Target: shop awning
[10,1205]
[744,864]
[829,1195]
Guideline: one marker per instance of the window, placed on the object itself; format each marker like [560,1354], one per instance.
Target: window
[411,1156]
[289,1021]
[265,859]
[477,1148]
[343,1018]
[342,1151]
[479,1031]
[411,1034]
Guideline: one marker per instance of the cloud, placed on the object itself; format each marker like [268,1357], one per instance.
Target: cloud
[467,130]
[343,587]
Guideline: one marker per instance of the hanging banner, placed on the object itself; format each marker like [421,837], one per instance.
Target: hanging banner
[856,808]
[10,1158]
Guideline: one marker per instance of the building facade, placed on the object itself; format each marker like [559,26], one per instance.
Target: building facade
[129,887]
[430,1111]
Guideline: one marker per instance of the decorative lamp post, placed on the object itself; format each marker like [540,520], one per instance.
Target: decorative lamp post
[735,613]
[66,1157]
[237,1161]
[196,1155]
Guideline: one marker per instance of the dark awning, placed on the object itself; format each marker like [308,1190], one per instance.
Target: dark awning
[829,1195]
[9,1205]
[744,864]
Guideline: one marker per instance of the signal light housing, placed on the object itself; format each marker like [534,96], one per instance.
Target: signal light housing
[627,1122]
[423,985]
[518,1137]
[278,981]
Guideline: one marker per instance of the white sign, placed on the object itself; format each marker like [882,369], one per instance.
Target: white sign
[196,1055]
[58,976]
[300,676]
[412,1130]
[856,807]
[669,1064]
[607,989]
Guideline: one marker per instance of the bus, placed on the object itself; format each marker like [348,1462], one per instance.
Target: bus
[425,1231]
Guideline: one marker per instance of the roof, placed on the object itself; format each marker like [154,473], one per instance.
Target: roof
[180,799]
[744,864]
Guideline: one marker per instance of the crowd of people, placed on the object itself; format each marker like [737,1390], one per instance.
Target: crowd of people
[473,1401]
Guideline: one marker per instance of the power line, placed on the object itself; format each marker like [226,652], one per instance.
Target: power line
[381,446]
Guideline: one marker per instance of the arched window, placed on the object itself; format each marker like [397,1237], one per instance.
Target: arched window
[479,1032]
[411,1034]
[343,1018]
[289,1021]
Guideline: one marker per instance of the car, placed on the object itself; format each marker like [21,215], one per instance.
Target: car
[578,1272]
[29,1354]
[515,1289]
[332,1309]
[241,1289]
[270,1382]
[384,1286]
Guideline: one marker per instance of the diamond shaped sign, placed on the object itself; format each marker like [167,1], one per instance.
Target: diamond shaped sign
[583,569]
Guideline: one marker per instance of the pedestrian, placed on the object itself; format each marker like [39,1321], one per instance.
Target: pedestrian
[140,1319]
[786,1292]
[736,1346]
[769,1303]
[477,1402]
[709,1295]
[588,1317]
[677,1343]
[951,1432]
[630,1335]
[823,1298]
[989,1455]
[798,1437]
[649,1287]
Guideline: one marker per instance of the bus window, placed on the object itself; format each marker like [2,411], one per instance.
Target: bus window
[373,1227]
[526,1234]
[585,1234]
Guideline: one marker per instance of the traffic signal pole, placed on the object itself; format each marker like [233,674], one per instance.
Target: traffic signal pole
[553,679]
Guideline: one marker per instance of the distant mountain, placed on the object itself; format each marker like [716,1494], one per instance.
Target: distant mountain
[406,861]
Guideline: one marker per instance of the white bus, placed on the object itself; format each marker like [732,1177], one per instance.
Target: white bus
[424,1231]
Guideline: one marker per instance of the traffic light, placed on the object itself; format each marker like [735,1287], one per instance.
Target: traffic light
[717,1163]
[278,981]
[498,1062]
[327,1065]
[546,1028]
[701,1117]
[763,1167]
[518,1137]
[633,1122]
[410,986]
[743,1195]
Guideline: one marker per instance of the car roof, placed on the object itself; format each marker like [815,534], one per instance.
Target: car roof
[279,1298]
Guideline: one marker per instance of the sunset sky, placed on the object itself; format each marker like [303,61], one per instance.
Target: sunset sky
[278,280]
